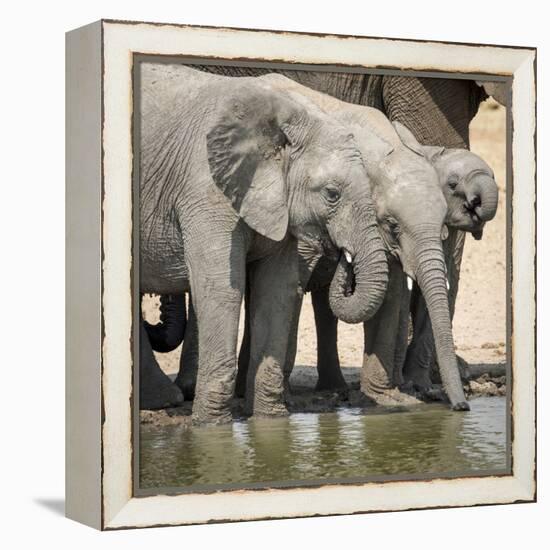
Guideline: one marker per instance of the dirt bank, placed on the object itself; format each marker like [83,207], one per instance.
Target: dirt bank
[304,398]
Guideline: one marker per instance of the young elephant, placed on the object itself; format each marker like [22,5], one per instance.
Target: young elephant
[471,195]
[411,210]
[232,173]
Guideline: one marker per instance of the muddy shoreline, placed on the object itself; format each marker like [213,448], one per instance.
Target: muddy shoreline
[480,380]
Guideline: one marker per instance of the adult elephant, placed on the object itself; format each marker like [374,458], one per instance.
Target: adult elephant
[232,173]
[411,210]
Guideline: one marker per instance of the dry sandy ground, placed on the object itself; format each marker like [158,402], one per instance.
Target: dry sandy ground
[480,319]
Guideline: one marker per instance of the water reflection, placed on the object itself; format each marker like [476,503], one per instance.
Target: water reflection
[344,444]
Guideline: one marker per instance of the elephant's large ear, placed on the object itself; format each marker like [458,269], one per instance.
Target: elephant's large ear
[407,138]
[244,154]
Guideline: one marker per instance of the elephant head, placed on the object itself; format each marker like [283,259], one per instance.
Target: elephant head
[466,180]
[286,166]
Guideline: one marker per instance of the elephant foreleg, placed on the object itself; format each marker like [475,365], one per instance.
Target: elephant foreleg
[244,353]
[218,324]
[326,326]
[381,333]
[292,340]
[421,350]
[402,335]
[217,287]
[273,285]
[156,390]
[189,359]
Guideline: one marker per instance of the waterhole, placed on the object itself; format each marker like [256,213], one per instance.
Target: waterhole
[344,445]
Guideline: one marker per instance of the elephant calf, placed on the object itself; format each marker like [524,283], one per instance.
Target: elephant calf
[471,192]
[471,196]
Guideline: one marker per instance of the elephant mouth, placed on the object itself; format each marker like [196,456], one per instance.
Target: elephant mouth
[349,283]
[469,221]
[472,210]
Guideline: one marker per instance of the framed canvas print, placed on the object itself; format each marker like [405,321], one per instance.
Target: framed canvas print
[300,274]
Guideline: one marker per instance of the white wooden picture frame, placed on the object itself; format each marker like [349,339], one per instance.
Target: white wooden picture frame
[100,389]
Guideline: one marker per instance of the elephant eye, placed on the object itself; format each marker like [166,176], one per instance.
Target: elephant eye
[332,195]
[393,226]
[452,183]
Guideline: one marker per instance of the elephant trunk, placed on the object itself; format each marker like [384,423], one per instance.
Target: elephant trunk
[358,287]
[482,197]
[167,335]
[431,278]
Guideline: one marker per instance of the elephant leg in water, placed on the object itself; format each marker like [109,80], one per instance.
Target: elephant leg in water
[189,358]
[244,354]
[187,375]
[217,303]
[261,378]
[379,373]
[273,284]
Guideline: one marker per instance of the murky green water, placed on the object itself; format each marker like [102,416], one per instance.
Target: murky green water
[430,440]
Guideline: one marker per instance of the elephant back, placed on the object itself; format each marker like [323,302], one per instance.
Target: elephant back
[349,87]
[438,111]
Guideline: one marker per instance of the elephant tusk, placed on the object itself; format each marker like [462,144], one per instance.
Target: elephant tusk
[409,283]
[348,256]
[448,285]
